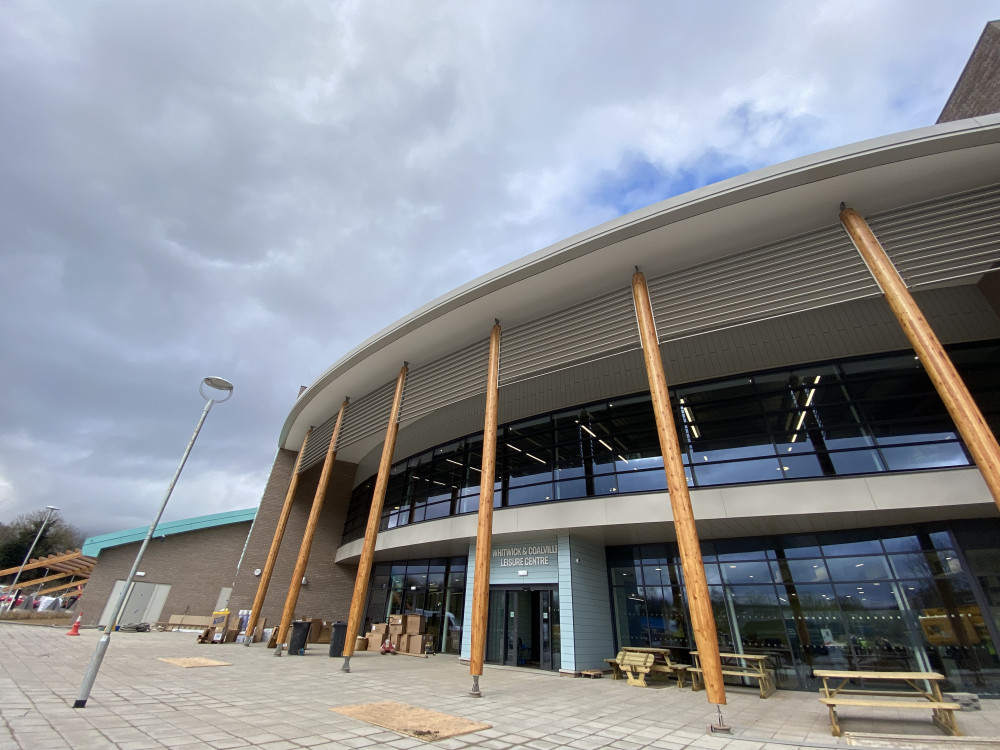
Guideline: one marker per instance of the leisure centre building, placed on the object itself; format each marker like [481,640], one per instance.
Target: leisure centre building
[843,522]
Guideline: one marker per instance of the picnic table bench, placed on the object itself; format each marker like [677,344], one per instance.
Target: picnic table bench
[663,663]
[917,697]
[635,666]
[750,666]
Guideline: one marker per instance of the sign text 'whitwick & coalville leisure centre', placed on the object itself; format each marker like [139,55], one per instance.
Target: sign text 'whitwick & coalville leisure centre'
[522,557]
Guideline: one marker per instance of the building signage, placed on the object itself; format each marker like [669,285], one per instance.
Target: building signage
[525,556]
[528,562]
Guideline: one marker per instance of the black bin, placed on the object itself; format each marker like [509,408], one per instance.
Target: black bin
[297,640]
[338,637]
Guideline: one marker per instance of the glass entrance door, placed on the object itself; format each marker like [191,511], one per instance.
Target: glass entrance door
[523,628]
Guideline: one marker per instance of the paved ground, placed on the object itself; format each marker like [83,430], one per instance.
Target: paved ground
[284,703]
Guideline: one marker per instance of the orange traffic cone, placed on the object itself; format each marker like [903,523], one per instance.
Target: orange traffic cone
[75,630]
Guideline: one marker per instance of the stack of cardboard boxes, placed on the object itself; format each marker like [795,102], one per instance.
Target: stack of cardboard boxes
[405,632]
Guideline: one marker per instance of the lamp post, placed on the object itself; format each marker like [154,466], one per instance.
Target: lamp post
[8,605]
[223,386]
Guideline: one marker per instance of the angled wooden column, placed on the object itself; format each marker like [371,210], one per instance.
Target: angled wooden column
[699,603]
[307,536]
[374,517]
[279,532]
[484,533]
[969,422]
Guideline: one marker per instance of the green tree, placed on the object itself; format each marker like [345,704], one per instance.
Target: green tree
[16,538]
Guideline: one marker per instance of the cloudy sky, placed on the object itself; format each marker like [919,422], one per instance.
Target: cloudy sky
[252,189]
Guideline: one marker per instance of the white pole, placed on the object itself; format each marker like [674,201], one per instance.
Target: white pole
[102,645]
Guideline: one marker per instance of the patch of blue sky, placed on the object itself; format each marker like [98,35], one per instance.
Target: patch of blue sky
[638,181]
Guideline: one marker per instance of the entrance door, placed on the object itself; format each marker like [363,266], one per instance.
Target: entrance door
[144,603]
[523,628]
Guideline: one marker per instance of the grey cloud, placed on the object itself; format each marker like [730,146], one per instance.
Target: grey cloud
[251,189]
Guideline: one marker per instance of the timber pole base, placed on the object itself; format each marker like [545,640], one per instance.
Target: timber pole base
[347,664]
[476,692]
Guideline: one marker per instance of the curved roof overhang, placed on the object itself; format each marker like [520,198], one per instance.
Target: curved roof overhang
[711,222]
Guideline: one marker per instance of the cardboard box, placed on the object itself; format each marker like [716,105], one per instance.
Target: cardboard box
[325,633]
[395,630]
[220,620]
[395,619]
[417,644]
[361,644]
[414,624]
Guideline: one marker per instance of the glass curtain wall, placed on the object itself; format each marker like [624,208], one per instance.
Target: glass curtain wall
[852,417]
[434,588]
[918,598]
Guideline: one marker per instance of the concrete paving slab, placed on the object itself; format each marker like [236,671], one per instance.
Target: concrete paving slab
[283,703]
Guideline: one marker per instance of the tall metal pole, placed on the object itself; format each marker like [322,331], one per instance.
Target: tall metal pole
[105,641]
[8,605]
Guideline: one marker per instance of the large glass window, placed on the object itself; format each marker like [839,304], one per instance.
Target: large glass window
[434,588]
[894,599]
[857,416]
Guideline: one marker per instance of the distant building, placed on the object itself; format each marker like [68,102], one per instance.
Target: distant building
[188,568]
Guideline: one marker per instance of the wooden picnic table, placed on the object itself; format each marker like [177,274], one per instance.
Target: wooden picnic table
[751,666]
[664,663]
[922,692]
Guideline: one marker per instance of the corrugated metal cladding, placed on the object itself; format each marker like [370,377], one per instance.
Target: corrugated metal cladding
[930,243]
[945,239]
[590,330]
[446,381]
[858,328]
[813,270]
[364,416]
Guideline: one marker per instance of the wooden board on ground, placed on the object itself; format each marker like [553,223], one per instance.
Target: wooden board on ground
[193,661]
[176,622]
[258,632]
[421,723]
[272,642]
[592,673]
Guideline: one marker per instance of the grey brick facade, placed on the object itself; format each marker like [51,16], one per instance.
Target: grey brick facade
[197,565]
[330,586]
[978,89]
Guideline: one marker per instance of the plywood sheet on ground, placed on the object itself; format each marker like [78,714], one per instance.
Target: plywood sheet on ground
[194,661]
[421,723]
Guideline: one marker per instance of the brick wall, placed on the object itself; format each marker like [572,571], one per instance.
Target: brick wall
[978,89]
[196,564]
[330,586]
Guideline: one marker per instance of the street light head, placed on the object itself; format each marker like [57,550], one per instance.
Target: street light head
[51,507]
[218,384]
